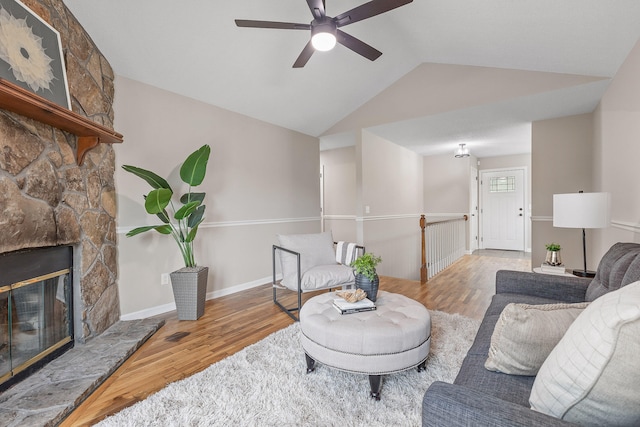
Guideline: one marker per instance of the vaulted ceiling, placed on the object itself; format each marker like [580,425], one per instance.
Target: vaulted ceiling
[452,71]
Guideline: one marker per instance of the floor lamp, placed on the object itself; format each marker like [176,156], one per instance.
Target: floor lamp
[581,210]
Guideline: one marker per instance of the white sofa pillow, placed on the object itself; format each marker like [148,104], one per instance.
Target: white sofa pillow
[525,335]
[592,377]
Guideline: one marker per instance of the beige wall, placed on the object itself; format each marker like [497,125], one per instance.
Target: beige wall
[616,154]
[391,177]
[387,179]
[446,184]
[340,195]
[447,190]
[261,180]
[504,162]
[391,186]
[562,159]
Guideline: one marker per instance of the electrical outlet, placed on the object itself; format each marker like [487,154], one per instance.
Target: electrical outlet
[164,279]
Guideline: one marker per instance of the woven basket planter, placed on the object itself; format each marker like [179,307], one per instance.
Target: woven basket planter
[190,291]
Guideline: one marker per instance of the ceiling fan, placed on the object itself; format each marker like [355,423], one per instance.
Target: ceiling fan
[325,30]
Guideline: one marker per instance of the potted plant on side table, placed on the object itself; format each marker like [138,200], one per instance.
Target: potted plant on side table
[553,257]
[366,277]
[189,283]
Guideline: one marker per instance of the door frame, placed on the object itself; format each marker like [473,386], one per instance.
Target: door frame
[525,202]
[474,204]
[322,198]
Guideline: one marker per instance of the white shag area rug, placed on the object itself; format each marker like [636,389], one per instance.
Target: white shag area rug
[266,384]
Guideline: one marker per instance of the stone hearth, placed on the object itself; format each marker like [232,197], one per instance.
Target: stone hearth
[52,393]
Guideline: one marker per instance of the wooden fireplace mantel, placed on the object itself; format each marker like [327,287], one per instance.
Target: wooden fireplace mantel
[90,134]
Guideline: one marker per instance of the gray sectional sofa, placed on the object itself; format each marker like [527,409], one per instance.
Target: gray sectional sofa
[479,397]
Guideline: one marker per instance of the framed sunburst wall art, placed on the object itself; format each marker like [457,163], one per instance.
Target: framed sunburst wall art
[31,53]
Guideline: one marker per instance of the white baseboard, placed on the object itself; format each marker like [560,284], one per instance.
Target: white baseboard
[149,312]
[165,308]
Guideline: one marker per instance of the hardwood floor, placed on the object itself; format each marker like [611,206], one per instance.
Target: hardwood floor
[182,348]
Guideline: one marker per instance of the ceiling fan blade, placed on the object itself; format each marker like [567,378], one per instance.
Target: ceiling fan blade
[317,8]
[357,46]
[271,24]
[367,10]
[304,56]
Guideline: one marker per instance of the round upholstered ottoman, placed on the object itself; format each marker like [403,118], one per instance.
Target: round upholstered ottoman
[393,338]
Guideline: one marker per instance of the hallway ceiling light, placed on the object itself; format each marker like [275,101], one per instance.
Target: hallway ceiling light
[461,151]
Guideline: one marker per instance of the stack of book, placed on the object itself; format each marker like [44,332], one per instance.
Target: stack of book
[345,307]
[553,269]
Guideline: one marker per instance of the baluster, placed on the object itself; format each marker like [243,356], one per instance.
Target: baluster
[443,243]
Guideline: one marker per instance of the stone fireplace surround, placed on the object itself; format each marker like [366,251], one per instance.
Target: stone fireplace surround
[46,199]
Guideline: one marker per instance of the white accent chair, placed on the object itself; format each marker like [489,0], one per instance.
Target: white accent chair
[308,263]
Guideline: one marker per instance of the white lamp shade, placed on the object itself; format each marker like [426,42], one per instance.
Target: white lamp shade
[581,210]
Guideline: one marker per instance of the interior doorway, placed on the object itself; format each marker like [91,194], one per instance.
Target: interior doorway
[502,212]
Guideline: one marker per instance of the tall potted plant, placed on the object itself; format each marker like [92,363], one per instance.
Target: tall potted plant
[180,222]
[366,277]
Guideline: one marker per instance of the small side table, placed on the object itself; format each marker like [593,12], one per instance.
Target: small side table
[539,270]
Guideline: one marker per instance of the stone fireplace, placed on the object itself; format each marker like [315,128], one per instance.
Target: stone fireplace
[49,202]
[47,199]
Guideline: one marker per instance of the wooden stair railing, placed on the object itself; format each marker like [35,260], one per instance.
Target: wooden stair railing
[423,227]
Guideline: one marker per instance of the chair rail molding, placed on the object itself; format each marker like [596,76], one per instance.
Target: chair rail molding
[340,217]
[243,223]
[624,225]
[386,217]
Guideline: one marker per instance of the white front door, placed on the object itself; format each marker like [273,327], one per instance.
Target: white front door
[502,209]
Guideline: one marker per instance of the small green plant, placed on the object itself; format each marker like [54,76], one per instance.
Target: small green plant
[366,265]
[553,247]
[183,222]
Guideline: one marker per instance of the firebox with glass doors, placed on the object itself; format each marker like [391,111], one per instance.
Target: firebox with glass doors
[36,310]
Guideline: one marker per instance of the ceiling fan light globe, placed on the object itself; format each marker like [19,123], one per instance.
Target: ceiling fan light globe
[323,42]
